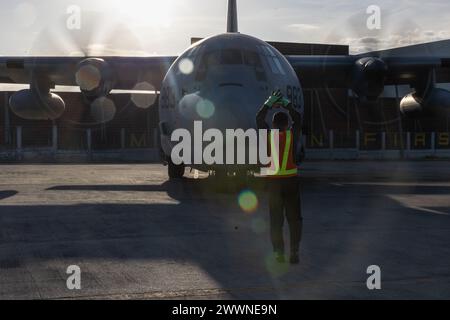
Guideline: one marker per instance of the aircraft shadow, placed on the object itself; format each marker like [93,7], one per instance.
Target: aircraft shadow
[7,194]
[347,228]
[183,187]
[178,189]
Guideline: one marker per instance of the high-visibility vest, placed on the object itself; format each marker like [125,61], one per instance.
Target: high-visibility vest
[282,155]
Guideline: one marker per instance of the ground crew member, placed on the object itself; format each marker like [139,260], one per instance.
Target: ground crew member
[283,181]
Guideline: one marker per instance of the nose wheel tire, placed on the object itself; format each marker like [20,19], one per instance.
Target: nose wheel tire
[176,171]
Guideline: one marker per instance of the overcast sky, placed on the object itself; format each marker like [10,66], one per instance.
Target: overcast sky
[147,27]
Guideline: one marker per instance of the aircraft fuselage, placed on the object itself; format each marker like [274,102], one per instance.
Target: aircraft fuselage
[223,81]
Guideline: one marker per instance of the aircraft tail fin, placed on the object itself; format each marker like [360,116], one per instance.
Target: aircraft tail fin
[232,21]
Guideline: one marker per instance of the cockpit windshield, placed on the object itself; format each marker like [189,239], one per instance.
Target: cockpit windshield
[231,57]
[223,57]
[253,59]
[272,60]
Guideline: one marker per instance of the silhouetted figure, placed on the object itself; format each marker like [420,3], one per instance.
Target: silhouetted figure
[283,181]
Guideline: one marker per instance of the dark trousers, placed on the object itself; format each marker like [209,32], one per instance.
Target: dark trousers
[284,200]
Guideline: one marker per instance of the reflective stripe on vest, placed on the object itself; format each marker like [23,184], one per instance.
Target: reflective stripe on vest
[275,170]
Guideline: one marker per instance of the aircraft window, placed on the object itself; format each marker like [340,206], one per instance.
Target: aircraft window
[209,59]
[215,58]
[269,52]
[193,54]
[272,60]
[231,56]
[277,62]
[273,65]
[221,57]
[212,59]
[194,51]
[253,59]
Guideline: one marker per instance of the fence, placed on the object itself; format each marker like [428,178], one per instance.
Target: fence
[78,145]
[376,145]
[135,144]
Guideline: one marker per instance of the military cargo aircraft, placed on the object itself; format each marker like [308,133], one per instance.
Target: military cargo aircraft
[223,80]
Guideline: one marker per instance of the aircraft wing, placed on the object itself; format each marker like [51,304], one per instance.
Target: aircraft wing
[341,71]
[407,65]
[125,72]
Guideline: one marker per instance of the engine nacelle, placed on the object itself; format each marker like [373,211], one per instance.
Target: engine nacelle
[33,105]
[437,99]
[94,77]
[368,78]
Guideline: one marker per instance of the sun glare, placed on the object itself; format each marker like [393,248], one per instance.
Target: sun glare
[154,13]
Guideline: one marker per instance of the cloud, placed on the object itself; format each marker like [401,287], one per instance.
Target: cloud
[313,21]
[370,40]
[303,27]
[394,40]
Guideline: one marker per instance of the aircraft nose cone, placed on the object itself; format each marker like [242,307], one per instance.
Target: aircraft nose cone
[226,106]
[234,107]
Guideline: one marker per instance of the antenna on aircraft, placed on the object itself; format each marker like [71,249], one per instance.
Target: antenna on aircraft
[232,21]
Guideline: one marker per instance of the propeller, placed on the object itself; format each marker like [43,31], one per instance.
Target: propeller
[365,39]
[97,36]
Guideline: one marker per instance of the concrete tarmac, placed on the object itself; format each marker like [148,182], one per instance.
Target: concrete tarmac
[135,235]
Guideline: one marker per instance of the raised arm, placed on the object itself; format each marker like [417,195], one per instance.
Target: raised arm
[261,117]
[275,97]
[296,119]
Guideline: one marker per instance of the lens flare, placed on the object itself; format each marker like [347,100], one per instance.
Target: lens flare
[88,78]
[276,269]
[103,110]
[248,201]
[144,95]
[186,66]
[205,109]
